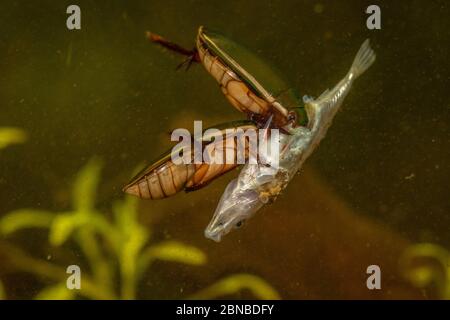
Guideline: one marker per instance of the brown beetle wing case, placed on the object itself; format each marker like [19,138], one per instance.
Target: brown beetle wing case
[165,178]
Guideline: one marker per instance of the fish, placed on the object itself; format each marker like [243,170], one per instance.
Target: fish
[258,185]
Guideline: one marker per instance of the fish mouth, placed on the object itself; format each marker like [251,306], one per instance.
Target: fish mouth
[215,236]
[216,230]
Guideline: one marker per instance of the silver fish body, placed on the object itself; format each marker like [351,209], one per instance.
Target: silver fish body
[257,184]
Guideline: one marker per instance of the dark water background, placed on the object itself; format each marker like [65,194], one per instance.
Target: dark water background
[105,91]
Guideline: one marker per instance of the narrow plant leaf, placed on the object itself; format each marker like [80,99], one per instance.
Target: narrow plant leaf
[426,265]
[2,291]
[234,284]
[10,135]
[56,292]
[63,226]
[84,189]
[172,251]
[25,218]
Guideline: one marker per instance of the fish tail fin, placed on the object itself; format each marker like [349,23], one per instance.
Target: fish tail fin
[363,60]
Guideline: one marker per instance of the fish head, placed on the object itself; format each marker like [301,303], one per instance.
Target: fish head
[236,205]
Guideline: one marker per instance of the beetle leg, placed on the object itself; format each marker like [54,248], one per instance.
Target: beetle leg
[188,62]
[268,122]
[192,54]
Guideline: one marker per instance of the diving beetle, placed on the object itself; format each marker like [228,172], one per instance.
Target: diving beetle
[279,106]
[249,83]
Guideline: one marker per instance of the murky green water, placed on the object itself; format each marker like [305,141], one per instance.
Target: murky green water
[378,184]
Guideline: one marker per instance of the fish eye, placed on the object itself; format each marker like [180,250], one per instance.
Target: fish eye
[239,224]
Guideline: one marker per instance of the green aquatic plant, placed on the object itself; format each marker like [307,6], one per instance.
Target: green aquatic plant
[10,136]
[235,283]
[427,266]
[2,292]
[114,250]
